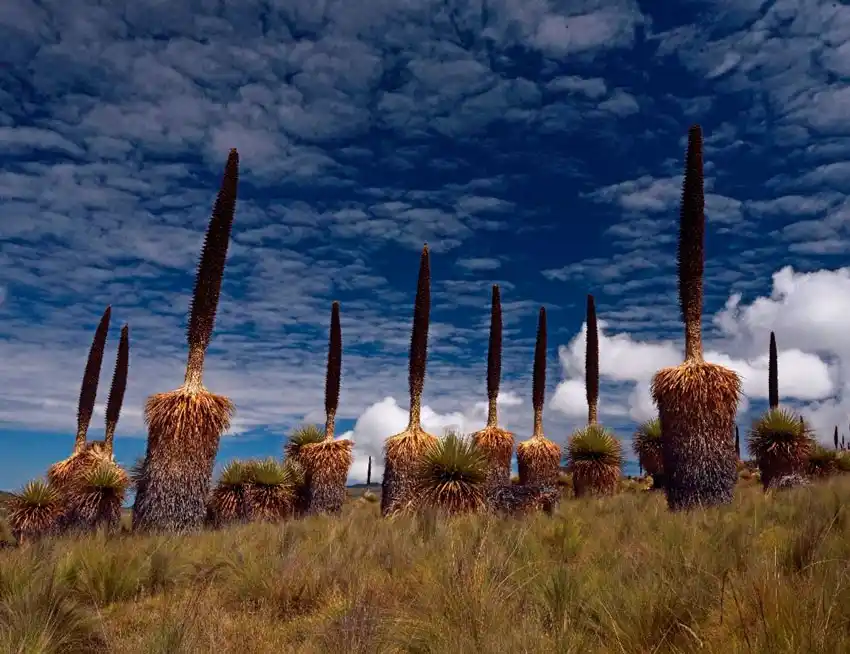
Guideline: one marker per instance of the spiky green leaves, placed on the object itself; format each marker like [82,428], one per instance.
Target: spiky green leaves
[35,511]
[591,362]
[451,475]
[494,351]
[822,462]
[96,501]
[211,267]
[91,376]
[234,473]
[334,369]
[647,446]
[779,432]
[691,248]
[594,443]
[773,374]
[301,436]
[106,477]
[780,442]
[35,494]
[538,381]
[419,333]
[228,502]
[259,489]
[119,385]
[271,489]
[269,472]
[594,457]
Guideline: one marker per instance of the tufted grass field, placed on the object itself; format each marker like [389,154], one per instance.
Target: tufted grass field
[768,574]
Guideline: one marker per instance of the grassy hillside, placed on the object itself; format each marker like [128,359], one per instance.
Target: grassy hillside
[768,574]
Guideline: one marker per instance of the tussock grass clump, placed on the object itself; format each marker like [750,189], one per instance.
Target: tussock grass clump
[97,500]
[185,425]
[594,457]
[780,442]
[34,512]
[228,502]
[402,451]
[451,476]
[697,401]
[647,447]
[539,459]
[326,463]
[40,614]
[496,443]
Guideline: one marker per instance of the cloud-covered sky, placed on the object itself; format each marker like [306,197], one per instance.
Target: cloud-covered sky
[533,143]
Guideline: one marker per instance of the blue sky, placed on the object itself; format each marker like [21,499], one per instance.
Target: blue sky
[537,144]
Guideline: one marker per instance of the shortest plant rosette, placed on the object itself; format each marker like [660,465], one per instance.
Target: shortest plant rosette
[780,442]
[451,476]
[34,512]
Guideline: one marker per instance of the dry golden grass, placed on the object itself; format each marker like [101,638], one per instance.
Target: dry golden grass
[620,574]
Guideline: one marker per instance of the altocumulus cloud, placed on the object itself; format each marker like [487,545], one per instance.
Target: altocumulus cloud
[534,144]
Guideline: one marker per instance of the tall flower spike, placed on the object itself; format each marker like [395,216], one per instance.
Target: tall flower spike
[538,381]
[737,443]
[211,271]
[591,362]
[773,375]
[119,385]
[91,376]
[494,357]
[691,249]
[334,371]
[419,338]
